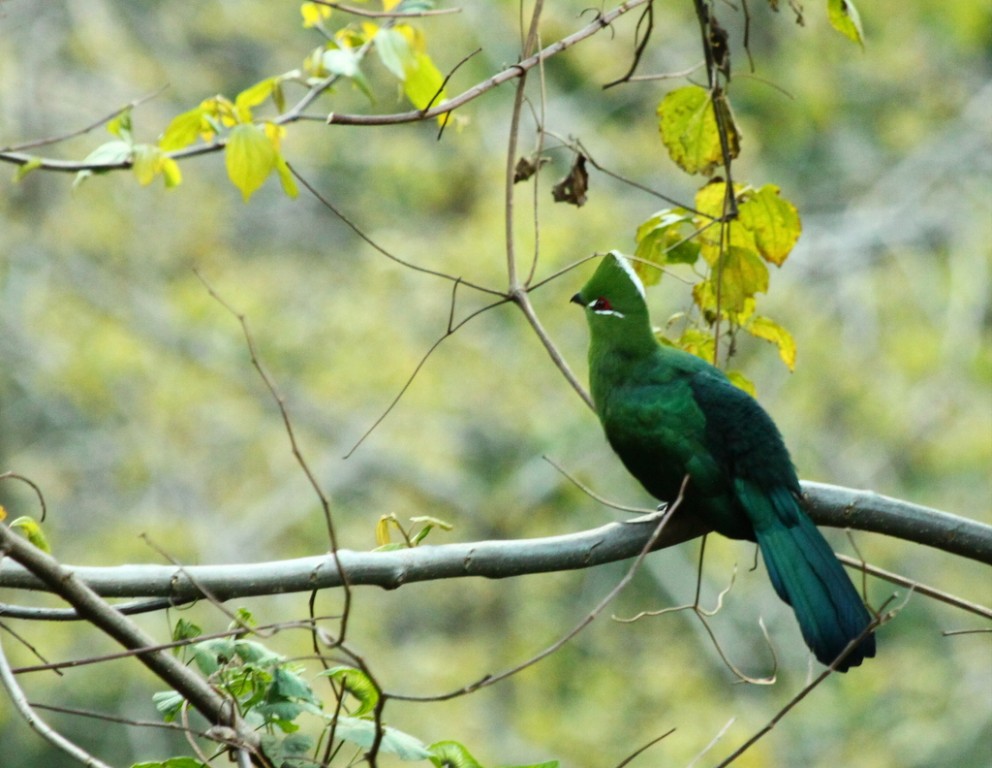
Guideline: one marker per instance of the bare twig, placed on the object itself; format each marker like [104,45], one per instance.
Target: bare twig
[663,520]
[40,727]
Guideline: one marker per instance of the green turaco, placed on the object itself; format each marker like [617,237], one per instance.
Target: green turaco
[669,414]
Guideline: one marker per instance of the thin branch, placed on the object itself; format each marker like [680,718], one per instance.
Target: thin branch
[663,520]
[86,128]
[387,14]
[64,582]
[40,727]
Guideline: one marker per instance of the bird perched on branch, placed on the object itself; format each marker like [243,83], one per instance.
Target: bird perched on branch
[669,414]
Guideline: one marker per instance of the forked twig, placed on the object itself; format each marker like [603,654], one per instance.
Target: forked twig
[490,679]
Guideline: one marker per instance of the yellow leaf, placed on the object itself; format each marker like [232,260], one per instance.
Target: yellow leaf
[769,330]
[171,174]
[844,17]
[741,381]
[286,178]
[183,130]
[256,94]
[423,83]
[382,537]
[687,120]
[773,222]
[249,157]
[314,13]
[3,513]
[146,163]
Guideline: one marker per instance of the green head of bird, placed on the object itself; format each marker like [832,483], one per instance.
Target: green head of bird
[614,303]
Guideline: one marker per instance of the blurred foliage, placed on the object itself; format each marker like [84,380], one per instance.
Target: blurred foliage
[127,395]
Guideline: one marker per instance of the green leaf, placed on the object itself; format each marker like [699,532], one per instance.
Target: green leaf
[185,630]
[32,531]
[773,222]
[451,754]
[664,239]
[688,124]
[120,126]
[113,153]
[249,157]
[769,330]
[173,762]
[358,684]
[169,703]
[23,170]
[844,17]
[394,742]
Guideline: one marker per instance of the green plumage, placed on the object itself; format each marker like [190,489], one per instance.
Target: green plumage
[669,414]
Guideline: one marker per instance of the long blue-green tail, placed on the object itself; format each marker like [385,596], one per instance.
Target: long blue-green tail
[807,575]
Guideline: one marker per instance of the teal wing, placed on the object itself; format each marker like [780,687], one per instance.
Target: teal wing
[801,565]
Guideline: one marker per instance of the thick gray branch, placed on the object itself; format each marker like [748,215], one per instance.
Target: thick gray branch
[828,505]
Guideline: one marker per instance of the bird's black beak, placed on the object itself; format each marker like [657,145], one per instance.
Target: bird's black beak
[577,299]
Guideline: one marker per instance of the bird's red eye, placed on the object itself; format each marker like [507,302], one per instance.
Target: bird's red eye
[601,305]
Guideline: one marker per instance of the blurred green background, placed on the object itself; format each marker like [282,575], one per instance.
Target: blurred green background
[127,394]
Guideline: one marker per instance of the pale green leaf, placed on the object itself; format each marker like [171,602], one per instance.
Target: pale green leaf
[31,530]
[394,742]
[394,51]
[146,163]
[844,17]
[23,170]
[120,125]
[249,157]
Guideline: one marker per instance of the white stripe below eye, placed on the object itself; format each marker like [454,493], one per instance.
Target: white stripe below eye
[605,311]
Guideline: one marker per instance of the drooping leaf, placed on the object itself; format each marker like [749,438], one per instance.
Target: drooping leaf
[844,17]
[183,130]
[255,95]
[452,754]
[769,330]
[31,165]
[249,157]
[358,684]
[422,84]
[394,51]
[741,381]
[687,121]
[394,742]
[31,530]
[773,223]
